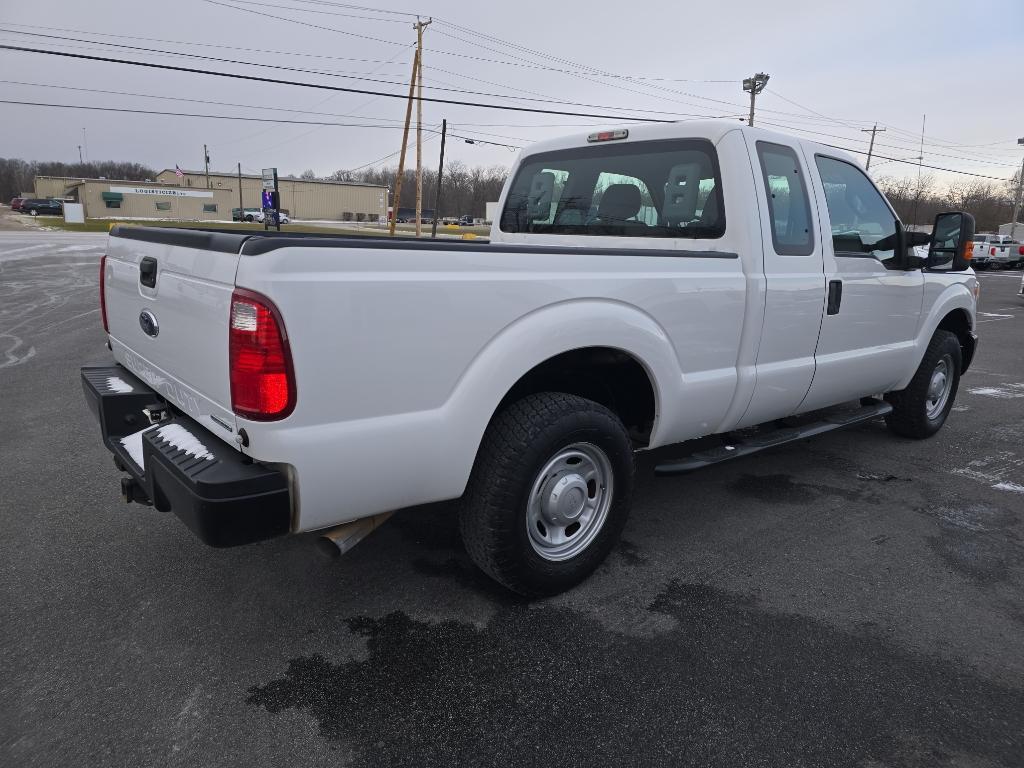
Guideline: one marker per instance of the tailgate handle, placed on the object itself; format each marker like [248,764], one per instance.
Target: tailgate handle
[147,272]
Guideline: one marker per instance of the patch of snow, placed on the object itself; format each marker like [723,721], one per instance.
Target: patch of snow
[133,444]
[116,384]
[183,440]
[73,248]
[1005,486]
[1006,391]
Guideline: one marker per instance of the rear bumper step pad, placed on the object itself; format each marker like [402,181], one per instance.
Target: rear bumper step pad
[223,496]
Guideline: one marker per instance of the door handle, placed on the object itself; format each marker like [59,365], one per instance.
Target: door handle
[147,272]
[835,296]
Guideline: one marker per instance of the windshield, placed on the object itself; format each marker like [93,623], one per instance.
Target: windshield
[643,189]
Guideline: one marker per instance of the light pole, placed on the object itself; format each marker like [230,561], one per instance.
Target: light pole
[1016,203]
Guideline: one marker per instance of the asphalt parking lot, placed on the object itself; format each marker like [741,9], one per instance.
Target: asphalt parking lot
[856,599]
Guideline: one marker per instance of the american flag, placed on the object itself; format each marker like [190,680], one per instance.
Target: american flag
[178,172]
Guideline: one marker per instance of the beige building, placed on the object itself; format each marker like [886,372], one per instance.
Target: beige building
[302,199]
[113,198]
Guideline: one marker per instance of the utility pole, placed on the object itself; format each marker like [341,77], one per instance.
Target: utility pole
[396,199]
[419,26]
[1016,203]
[920,162]
[80,155]
[871,147]
[440,177]
[241,207]
[206,159]
[755,85]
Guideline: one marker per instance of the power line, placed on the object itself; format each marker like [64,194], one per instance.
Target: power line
[310,24]
[192,101]
[281,7]
[321,86]
[232,117]
[312,72]
[198,44]
[979,160]
[372,93]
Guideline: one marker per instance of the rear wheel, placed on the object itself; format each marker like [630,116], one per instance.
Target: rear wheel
[549,494]
[248,218]
[921,409]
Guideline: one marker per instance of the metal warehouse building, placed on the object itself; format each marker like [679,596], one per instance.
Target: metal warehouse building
[188,198]
[303,199]
[110,198]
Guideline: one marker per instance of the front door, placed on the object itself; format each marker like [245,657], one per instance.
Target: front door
[873,304]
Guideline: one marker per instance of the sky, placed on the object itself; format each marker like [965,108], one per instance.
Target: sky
[835,69]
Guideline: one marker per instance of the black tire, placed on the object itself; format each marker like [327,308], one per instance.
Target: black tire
[249,218]
[519,442]
[910,416]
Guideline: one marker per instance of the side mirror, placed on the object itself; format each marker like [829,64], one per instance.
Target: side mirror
[952,241]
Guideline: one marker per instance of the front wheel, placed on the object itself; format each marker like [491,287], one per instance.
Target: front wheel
[921,409]
[549,494]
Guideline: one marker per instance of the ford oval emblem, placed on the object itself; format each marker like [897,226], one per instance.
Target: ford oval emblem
[148,323]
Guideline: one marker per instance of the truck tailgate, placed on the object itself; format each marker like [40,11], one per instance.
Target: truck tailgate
[168,298]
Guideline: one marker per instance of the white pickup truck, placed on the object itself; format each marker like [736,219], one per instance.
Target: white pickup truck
[642,287]
[1005,253]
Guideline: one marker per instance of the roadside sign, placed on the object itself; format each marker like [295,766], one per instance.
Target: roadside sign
[271,200]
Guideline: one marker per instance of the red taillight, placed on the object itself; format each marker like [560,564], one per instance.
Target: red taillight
[991,251]
[262,382]
[103,292]
[1020,251]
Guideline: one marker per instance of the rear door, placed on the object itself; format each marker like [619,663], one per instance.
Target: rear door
[794,282]
[168,307]
[869,327]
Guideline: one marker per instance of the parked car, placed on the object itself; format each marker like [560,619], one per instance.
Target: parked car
[250,214]
[40,207]
[519,376]
[465,221]
[16,203]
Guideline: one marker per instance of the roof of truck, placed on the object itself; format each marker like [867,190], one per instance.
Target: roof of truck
[713,130]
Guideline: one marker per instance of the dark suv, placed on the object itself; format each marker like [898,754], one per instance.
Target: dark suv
[38,207]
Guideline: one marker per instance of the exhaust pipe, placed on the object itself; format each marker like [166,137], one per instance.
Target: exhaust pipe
[336,541]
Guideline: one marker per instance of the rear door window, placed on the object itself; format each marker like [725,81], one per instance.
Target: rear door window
[788,205]
[641,189]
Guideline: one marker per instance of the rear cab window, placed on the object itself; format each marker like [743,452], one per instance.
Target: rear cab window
[642,189]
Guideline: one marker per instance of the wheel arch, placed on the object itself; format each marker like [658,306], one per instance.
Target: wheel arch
[551,349]
[953,310]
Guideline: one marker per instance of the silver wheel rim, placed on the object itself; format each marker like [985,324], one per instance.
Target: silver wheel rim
[939,386]
[569,501]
